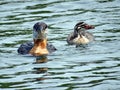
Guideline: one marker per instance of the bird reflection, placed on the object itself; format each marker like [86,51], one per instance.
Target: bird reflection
[41,59]
[41,70]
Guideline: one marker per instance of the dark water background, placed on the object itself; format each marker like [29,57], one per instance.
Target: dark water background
[95,67]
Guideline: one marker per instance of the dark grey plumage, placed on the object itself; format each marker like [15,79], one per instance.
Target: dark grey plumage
[26,47]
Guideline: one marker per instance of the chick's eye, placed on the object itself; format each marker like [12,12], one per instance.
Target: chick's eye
[83,26]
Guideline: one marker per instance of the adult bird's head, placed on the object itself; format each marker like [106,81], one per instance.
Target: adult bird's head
[40,39]
[39,30]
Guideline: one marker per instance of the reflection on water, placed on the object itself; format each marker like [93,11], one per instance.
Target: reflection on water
[40,70]
[93,67]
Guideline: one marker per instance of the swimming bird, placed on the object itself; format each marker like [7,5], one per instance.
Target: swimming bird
[39,46]
[80,36]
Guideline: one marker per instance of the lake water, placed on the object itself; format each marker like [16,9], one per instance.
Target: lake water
[94,67]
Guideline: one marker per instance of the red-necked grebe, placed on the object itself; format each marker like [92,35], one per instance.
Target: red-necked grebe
[39,46]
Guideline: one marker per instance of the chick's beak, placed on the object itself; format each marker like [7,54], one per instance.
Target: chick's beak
[89,26]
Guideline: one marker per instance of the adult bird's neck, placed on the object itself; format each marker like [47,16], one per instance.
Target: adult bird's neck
[39,48]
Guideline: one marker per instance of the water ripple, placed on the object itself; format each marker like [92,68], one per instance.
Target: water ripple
[93,67]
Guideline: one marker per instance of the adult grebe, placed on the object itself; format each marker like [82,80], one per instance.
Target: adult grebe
[39,46]
[80,36]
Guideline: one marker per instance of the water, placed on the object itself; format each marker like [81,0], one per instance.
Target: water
[95,67]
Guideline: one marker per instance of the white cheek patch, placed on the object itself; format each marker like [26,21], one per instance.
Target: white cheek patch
[45,31]
[78,28]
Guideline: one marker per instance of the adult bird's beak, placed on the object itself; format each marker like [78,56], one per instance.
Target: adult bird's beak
[40,40]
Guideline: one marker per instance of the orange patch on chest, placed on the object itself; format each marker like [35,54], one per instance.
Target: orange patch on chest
[39,48]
